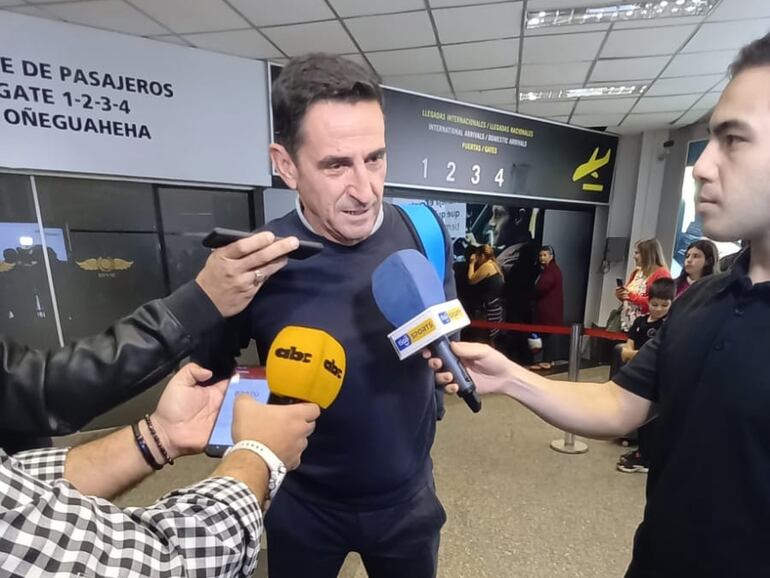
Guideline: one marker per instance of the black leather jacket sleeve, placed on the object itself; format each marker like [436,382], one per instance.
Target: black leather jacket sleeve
[55,393]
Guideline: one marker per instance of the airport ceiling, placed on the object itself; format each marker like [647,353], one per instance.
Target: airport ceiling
[477,51]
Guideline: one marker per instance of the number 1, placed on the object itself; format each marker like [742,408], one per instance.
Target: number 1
[425,168]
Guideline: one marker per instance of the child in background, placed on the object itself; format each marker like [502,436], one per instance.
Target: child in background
[661,296]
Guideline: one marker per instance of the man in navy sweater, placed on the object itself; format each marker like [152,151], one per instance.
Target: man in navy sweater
[366,481]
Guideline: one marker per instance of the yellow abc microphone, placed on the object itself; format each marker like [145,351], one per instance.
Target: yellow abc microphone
[305,364]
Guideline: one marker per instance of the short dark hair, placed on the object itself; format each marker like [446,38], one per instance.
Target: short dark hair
[308,79]
[663,289]
[753,55]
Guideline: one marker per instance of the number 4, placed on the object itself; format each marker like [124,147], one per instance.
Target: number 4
[499,179]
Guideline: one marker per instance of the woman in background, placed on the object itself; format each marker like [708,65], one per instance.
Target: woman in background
[701,259]
[486,281]
[549,304]
[648,258]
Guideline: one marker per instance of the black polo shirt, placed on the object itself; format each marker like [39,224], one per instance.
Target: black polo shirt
[708,490]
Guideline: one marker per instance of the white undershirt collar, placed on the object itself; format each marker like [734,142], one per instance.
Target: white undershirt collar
[298,207]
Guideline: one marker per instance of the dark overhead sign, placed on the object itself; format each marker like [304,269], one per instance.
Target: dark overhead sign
[446,145]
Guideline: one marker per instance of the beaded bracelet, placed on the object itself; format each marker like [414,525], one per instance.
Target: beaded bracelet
[155,436]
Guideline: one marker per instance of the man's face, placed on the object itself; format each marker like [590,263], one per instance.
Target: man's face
[733,173]
[339,168]
[659,308]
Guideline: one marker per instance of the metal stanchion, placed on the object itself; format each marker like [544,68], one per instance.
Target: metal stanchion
[569,445]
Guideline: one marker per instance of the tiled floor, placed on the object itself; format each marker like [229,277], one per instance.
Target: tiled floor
[515,507]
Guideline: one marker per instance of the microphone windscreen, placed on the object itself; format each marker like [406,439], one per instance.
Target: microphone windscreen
[404,285]
[305,364]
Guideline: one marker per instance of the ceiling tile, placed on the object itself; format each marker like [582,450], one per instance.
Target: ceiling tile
[560,118]
[547,109]
[170,39]
[358,59]
[740,10]
[496,97]
[708,100]
[435,83]
[44,1]
[107,14]
[481,79]
[724,35]
[31,11]
[650,120]
[657,22]
[248,43]
[683,84]
[700,63]
[377,32]
[410,61]
[591,120]
[605,105]
[569,73]
[184,16]
[693,116]
[489,22]
[445,3]
[481,54]
[4,3]
[628,69]
[314,37]
[554,4]
[721,86]
[665,103]
[540,49]
[346,8]
[646,41]
[272,12]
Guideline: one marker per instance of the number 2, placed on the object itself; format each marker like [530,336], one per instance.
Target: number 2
[451,175]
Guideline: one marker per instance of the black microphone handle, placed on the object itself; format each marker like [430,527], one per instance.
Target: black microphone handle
[274,399]
[441,349]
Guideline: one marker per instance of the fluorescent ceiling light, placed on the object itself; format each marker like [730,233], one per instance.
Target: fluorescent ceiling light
[588,92]
[619,11]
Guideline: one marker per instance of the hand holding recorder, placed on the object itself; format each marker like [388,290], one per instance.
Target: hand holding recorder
[241,262]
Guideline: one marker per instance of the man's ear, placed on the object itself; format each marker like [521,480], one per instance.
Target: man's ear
[284,165]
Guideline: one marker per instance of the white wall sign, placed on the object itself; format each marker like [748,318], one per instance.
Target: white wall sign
[77,99]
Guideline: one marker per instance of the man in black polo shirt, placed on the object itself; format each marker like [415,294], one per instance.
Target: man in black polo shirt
[706,374]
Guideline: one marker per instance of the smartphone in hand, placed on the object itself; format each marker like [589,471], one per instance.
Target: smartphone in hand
[220,236]
[250,380]
[619,281]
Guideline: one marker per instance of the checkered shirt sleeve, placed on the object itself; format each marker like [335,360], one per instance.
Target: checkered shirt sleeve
[49,529]
[46,465]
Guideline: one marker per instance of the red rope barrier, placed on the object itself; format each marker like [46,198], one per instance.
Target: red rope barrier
[553,329]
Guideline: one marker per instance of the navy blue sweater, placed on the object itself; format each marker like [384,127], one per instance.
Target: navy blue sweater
[371,448]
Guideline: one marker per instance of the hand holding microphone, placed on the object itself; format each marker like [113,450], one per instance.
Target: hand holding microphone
[305,364]
[404,286]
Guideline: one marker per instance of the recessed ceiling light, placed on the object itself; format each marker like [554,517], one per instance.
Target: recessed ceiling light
[586,92]
[619,11]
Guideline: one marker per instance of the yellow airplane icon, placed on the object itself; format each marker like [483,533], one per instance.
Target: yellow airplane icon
[590,167]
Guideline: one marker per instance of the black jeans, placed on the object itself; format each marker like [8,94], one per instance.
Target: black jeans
[305,540]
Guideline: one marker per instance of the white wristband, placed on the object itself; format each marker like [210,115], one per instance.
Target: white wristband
[274,464]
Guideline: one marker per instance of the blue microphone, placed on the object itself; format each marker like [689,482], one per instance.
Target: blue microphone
[405,285]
